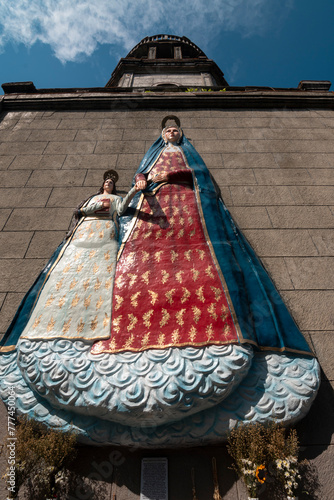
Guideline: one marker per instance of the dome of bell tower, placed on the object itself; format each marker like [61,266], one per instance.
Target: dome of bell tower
[166,47]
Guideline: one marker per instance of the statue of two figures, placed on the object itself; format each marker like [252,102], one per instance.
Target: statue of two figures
[154,323]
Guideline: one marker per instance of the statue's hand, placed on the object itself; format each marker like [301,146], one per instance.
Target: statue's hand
[140,185]
[105,206]
[160,177]
[106,203]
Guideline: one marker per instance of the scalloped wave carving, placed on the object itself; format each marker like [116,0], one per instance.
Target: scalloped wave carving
[151,387]
[277,386]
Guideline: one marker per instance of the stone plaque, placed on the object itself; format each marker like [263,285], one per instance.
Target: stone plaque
[154,479]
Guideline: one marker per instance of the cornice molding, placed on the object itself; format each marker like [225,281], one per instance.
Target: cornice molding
[159,65]
[87,100]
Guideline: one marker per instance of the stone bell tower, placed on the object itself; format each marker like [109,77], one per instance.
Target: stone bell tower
[166,61]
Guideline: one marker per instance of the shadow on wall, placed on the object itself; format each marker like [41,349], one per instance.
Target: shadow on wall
[316,429]
[115,472]
[186,468]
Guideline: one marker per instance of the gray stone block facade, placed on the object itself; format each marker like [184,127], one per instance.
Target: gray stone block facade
[275,168]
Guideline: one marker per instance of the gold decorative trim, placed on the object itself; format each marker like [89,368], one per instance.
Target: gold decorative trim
[8,348]
[199,344]
[94,339]
[95,217]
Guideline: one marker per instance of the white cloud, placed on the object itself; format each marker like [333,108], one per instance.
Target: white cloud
[233,72]
[74,28]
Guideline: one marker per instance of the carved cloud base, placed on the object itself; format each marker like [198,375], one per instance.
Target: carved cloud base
[156,398]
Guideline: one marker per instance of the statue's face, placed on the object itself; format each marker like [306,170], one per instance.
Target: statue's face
[108,186]
[172,134]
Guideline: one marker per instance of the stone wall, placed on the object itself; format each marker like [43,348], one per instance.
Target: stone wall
[276,173]
[186,79]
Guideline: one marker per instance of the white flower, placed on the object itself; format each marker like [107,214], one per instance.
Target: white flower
[246,461]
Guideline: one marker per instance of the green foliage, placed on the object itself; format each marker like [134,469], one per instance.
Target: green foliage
[281,445]
[191,89]
[247,445]
[269,454]
[42,456]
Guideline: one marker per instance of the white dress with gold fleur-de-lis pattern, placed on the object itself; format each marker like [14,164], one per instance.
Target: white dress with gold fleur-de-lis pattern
[76,299]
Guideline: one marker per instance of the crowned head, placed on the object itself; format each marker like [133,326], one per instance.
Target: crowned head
[171,131]
[110,177]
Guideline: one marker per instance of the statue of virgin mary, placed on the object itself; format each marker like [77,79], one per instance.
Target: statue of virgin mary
[198,337]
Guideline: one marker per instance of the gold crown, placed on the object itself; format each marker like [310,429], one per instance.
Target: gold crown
[110,174]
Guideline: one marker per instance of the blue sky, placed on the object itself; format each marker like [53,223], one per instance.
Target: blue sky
[77,43]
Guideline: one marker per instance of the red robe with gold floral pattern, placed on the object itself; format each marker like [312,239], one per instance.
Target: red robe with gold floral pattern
[167,291]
